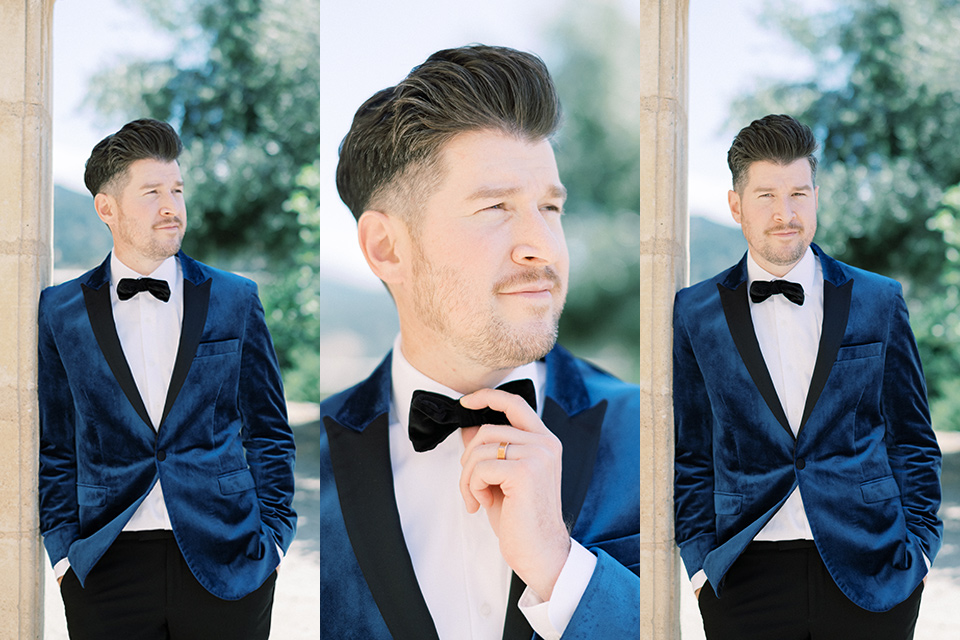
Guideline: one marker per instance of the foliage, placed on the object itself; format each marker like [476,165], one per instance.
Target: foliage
[242,89]
[599,155]
[292,297]
[885,102]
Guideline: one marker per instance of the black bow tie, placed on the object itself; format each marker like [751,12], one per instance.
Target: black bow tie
[760,290]
[434,416]
[128,287]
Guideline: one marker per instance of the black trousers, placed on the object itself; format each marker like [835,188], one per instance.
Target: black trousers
[782,591]
[142,589]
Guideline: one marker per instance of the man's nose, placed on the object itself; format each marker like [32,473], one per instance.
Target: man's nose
[538,241]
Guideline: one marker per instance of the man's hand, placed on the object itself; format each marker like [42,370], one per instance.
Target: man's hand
[696,593]
[521,494]
[59,581]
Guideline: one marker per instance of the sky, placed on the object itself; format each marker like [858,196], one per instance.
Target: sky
[369,44]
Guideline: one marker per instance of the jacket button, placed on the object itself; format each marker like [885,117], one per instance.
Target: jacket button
[800,463]
[161,455]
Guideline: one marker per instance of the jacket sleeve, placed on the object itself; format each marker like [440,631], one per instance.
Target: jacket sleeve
[59,512]
[911,444]
[608,608]
[267,438]
[695,517]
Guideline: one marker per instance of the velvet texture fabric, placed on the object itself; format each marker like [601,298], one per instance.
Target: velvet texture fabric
[368,588]
[224,451]
[866,459]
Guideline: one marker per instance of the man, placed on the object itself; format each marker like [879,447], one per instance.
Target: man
[166,460]
[807,472]
[452,178]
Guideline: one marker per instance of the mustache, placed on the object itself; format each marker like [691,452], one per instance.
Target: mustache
[791,226]
[176,219]
[537,274]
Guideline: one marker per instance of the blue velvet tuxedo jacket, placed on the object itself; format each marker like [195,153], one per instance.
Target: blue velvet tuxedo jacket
[368,587]
[865,457]
[224,451]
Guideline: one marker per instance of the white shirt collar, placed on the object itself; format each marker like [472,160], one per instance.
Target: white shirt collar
[803,273]
[407,379]
[167,271]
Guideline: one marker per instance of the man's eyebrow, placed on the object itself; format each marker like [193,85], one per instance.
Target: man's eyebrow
[154,185]
[761,189]
[493,193]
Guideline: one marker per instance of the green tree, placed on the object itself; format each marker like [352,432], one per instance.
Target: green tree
[599,157]
[242,88]
[885,103]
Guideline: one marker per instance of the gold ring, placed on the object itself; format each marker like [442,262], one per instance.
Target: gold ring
[502,451]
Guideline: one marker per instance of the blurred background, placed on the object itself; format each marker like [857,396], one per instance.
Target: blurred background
[262,92]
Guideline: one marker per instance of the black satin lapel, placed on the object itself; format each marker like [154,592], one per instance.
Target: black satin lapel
[836,311]
[100,312]
[361,466]
[515,625]
[196,302]
[736,309]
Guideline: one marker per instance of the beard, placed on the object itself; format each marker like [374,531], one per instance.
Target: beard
[474,326]
[784,255]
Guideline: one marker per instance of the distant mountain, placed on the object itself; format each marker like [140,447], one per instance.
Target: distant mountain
[80,240]
[368,313]
[713,248]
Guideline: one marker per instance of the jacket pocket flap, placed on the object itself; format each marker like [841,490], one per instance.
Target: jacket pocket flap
[881,489]
[727,504]
[236,481]
[217,348]
[856,351]
[89,495]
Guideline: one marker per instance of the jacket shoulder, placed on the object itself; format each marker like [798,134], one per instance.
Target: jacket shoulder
[356,406]
[222,278]
[864,281]
[598,383]
[708,287]
[65,292]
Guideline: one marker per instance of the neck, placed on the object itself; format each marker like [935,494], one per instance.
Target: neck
[776,270]
[143,266]
[449,369]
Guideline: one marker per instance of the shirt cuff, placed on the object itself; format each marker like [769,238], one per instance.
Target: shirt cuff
[60,569]
[550,618]
[698,580]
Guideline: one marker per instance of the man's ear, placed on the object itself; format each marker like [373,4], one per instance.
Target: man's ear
[733,201]
[383,240]
[106,207]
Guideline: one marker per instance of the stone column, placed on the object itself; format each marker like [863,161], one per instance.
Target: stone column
[661,114]
[26,218]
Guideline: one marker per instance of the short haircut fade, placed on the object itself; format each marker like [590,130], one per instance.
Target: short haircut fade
[774,138]
[398,133]
[138,140]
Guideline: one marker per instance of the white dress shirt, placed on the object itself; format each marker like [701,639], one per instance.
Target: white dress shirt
[789,337]
[456,557]
[149,332]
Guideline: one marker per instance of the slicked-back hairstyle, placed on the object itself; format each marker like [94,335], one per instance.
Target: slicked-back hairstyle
[774,138]
[390,155]
[137,140]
